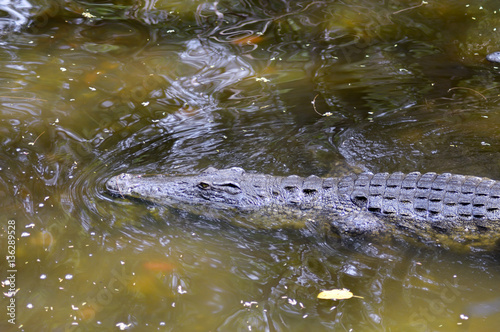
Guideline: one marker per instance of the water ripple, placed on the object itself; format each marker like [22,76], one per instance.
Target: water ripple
[14,15]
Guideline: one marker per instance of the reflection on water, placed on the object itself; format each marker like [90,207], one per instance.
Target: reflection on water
[91,89]
[14,14]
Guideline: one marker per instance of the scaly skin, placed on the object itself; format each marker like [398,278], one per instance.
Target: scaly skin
[431,206]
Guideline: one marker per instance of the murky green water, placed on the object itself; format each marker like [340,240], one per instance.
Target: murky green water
[92,89]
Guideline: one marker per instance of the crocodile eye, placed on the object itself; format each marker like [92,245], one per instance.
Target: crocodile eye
[203,185]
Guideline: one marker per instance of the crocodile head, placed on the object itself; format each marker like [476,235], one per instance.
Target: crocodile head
[247,199]
[219,188]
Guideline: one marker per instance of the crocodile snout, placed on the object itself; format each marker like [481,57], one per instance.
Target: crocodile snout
[117,184]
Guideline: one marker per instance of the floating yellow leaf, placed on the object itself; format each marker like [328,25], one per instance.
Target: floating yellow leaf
[337,294]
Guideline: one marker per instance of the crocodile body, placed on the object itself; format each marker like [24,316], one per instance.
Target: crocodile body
[430,205]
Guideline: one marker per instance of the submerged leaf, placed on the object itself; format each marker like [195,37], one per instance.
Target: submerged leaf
[158,266]
[100,48]
[337,294]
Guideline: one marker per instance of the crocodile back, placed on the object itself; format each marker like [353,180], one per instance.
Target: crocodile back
[429,196]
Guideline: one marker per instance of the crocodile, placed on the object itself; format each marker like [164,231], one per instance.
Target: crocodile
[430,206]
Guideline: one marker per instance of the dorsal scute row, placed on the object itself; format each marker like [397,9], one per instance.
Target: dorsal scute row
[430,195]
[309,185]
[304,192]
